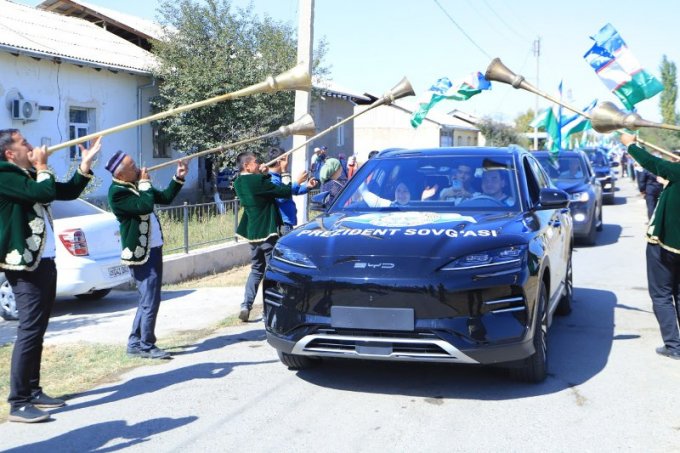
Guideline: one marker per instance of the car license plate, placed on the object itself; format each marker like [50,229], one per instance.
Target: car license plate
[373,318]
[116,271]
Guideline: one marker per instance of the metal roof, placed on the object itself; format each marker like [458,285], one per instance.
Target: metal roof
[42,34]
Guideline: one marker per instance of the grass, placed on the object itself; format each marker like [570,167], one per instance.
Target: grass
[69,369]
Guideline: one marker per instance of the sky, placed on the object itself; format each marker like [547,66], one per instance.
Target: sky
[372,44]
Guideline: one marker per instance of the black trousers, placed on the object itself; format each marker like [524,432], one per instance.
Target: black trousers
[149,278]
[663,279]
[651,201]
[260,254]
[34,293]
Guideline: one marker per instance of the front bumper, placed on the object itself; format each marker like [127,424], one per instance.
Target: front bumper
[473,318]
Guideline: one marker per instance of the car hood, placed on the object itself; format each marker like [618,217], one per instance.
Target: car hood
[572,186]
[405,234]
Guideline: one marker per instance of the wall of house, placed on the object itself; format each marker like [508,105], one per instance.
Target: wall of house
[112,97]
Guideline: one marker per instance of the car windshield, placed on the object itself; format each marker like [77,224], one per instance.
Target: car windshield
[74,208]
[597,159]
[433,183]
[563,168]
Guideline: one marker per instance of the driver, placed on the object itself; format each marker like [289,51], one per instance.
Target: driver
[493,186]
[574,171]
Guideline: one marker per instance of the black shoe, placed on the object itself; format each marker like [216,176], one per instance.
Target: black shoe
[154,353]
[134,352]
[28,413]
[244,314]
[664,351]
[43,401]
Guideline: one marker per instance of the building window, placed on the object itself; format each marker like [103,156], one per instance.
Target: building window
[341,133]
[161,145]
[80,123]
[445,138]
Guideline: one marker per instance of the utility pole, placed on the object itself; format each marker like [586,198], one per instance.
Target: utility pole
[537,54]
[303,98]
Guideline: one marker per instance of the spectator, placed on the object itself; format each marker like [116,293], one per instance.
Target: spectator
[287,207]
[343,162]
[317,161]
[330,179]
[351,166]
[650,187]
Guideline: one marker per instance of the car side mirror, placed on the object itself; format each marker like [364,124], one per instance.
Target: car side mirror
[318,202]
[550,198]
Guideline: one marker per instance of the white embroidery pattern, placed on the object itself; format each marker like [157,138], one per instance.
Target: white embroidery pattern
[144,217]
[43,176]
[33,243]
[142,240]
[126,254]
[144,227]
[139,252]
[37,225]
[38,209]
[144,186]
[13,257]
[28,256]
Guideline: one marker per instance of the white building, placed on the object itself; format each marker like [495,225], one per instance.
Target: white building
[63,77]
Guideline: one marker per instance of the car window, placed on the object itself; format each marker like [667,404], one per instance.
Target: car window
[571,167]
[75,208]
[441,183]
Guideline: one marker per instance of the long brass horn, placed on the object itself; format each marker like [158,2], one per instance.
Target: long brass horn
[303,126]
[297,78]
[606,117]
[400,90]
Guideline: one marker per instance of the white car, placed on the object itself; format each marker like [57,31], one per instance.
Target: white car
[88,254]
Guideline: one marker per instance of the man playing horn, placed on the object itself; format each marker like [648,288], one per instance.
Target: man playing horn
[27,252]
[663,247]
[132,199]
[261,218]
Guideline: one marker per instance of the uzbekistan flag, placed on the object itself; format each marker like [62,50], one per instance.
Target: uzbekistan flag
[619,69]
[445,89]
[577,123]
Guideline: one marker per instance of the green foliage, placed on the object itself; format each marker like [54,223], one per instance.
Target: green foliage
[214,49]
[499,134]
[523,120]
[669,94]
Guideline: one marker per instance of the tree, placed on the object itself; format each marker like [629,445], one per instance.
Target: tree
[669,94]
[499,134]
[212,49]
[523,120]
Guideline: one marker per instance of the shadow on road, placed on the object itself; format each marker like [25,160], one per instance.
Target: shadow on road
[152,383]
[219,342]
[93,438]
[610,234]
[579,347]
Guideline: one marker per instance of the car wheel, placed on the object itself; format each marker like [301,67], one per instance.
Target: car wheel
[94,295]
[296,362]
[592,233]
[8,305]
[600,224]
[564,305]
[535,367]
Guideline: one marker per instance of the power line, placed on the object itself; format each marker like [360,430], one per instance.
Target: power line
[524,38]
[461,29]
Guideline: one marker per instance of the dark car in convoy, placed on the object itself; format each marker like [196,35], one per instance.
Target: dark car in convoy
[571,172]
[602,167]
[458,255]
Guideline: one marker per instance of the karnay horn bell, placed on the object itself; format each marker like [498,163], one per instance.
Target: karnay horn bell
[303,126]
[400,90]
[297,78]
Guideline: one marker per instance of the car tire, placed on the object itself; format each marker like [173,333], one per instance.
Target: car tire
[564,305]
[534,368]
[296,362]
[94,295]
[591,237]
[8,305]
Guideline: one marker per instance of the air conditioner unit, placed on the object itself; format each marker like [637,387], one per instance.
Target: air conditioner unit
[25,110]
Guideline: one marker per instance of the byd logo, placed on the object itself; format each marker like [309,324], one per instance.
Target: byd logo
[362,265]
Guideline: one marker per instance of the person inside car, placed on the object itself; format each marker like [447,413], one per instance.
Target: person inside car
[493,186]
[574,171]
[461,184]
[402,197]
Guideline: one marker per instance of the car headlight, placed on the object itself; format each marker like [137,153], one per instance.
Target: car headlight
[290,256]
[580,196]
[497,257]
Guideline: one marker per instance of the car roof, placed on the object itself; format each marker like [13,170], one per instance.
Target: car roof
[450,151]
[560,153]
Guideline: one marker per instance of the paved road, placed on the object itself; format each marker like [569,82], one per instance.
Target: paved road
[607,390]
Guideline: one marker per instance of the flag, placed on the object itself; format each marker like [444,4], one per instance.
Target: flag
[577,123]
[539,120]
[619,69]
[445,89]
